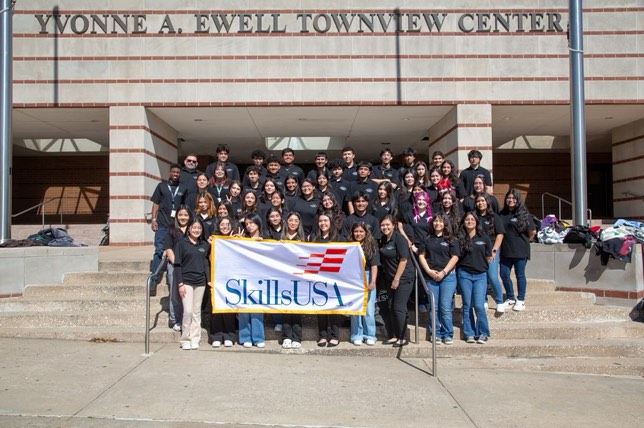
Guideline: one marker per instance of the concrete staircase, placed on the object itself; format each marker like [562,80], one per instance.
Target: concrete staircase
[110,306]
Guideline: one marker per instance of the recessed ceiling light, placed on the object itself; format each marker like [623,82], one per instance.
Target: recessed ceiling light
[302,119]
[609,117]
[406,118]
[506,118]
[198,120]
[386,144]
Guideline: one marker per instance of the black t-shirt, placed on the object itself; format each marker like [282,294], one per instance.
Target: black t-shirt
[370,221]
[341,190]
[169,198]
[293,170]
[469,174]
[470,205]
[232,172]
[208,226]
[492,225]
[350,174]
[391,174]
[191,264]
[368,187]
[374,260]
[516,244]
[419,226]
[438,251]
[391,252]
[307,209]
[475,260]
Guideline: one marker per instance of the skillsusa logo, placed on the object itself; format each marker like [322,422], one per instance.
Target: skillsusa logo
[329,261]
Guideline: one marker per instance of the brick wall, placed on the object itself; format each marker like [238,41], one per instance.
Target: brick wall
[81,181]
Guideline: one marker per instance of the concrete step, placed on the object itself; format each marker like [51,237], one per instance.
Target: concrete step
[557,330]
[542,298]
[80,304]
[89,290]
[84,278]
[124,266]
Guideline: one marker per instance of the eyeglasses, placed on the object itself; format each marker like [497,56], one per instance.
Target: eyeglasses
[191,160]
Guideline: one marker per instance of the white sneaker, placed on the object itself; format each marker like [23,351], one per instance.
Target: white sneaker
[194,346]
[228,343]
[248,345]
[216,344]
[261,345]
[278,327]
[296,345]
[509,302]
[357,342]
[176,327]
[186,346]
[286,344]
[485,305]
[370,342]
[519,306]
[500,307]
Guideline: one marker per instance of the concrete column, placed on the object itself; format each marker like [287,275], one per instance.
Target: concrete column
[466,127]
[142,147]
[628,164]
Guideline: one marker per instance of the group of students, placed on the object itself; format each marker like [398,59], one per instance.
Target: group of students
[451,222]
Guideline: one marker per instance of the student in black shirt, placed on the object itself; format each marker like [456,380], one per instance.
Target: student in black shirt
[476,251]
[363,327]
[398,277]
[475,170]
[292,323]
[448,170]
[328,325]
[360,202]
[493,227]
[306,204]
[192,274]
[438,255]
[177,231]
[206,213]
[289,168]
[339,186]
[274,224]
[515,249]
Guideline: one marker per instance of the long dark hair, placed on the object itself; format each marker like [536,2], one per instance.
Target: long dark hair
[368,244]
[253,218]
[300,230]
[452,177]
[520,211]
[490,215]
[268,214]
[448,230]
[463,237]
[333,231]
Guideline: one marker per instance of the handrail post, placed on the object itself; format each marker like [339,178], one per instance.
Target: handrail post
[151,277]
[432,313]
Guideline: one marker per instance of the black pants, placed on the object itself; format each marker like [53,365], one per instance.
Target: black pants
[395,315]
[292,327]
[329,326]
[222,327]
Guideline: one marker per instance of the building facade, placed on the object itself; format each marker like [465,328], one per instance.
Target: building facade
[108,93]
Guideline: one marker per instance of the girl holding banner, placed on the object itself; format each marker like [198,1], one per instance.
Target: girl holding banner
[292,323]
[328,325]
[251,326]
[363,327]
[192,273]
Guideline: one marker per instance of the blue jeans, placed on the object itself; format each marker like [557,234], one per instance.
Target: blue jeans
[159,247]
[363,327]
[443,293]
[251,328]
[519,271]
[493,278]
[473,292]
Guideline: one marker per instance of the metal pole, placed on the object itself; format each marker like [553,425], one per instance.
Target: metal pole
[577,119]
[6,136]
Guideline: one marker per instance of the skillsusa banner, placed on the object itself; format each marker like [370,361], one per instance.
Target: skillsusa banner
[273,277]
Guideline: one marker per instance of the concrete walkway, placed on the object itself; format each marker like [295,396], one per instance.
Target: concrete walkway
[80,384]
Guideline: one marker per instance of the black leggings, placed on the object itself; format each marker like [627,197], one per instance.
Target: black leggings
[222,327]
[329,326]
[292,327]
[396,309]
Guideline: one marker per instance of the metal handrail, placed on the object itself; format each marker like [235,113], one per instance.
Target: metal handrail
[635,195]
[432,303]
[560,199]
[152,277]
[42,204]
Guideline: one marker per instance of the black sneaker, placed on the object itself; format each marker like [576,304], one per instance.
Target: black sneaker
[153,291]
[482,340]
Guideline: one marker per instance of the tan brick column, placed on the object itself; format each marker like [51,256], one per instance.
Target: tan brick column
[628,171]
[466,127]
[142,147]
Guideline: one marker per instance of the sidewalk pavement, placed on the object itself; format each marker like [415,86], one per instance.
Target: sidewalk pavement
[80,384]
